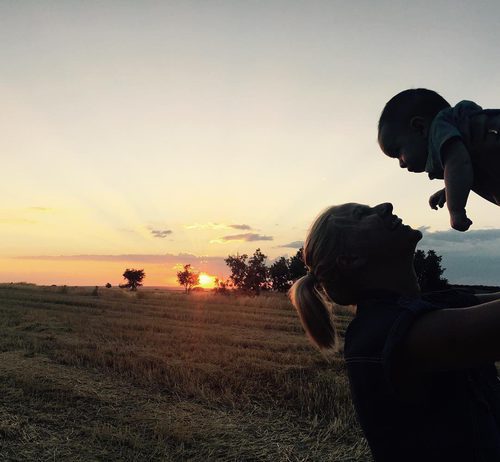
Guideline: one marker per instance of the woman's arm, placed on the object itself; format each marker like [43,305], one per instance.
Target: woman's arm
[458,180]
[456,338]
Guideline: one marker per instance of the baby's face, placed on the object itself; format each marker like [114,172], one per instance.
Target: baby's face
[408,146]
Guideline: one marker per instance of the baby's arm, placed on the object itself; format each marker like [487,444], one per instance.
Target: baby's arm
[458,180]
[438,199]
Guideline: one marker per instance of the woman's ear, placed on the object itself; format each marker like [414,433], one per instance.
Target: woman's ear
[350,262]
[420,125]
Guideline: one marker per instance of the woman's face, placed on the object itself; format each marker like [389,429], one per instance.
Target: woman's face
[376,231]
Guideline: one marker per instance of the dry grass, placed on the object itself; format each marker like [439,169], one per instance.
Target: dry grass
[157,375]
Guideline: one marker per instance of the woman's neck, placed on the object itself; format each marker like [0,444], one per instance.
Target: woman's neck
[401,279]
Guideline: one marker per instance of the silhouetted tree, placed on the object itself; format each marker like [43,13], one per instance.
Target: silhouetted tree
[419,265]
[188,278]
[296,265]
[257,277]
[239,269]
[134,278]
[251,276]
[429,271]
[279,273]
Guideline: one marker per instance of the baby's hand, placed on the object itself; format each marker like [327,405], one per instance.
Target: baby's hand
[459,221]
[438,199]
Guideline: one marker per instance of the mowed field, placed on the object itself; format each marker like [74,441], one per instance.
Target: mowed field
[158,375]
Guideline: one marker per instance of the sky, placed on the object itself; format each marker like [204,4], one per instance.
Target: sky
[155,134]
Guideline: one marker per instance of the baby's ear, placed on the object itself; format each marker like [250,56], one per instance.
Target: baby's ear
[350,262]
[420,125]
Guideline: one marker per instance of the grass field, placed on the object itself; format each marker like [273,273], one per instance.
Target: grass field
[158,375]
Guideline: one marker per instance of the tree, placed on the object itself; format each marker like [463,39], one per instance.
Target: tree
[296,265]
[188,278]
[257,277]
[238,266]
[134,278]
[429,271]
[279,273]
[251,276]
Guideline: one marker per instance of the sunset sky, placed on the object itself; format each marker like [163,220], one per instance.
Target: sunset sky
[153,134]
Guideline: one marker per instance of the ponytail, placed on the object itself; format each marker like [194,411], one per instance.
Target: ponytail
[314,309]
[314,294]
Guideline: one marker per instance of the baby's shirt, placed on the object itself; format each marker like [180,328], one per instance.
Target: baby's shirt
[449,123]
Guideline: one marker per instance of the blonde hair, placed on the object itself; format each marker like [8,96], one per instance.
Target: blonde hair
[314,294]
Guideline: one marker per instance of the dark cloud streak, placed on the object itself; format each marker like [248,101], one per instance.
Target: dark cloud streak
[241,227]
[246,237]
[160,233]
[293,245]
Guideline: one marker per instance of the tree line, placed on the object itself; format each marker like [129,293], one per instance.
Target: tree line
[251,275]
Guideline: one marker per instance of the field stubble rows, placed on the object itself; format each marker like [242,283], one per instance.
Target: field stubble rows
[158,375]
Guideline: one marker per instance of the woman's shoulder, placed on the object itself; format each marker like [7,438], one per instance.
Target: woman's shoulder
[376,316]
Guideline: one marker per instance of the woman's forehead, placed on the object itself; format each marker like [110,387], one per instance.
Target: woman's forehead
[350,208]
[387,140]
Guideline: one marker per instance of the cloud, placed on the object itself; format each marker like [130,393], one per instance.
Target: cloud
[160,233]
[214,265]
[293,245]
[140,258]
[246,237]
[472,257]
[469,237]
[211,225]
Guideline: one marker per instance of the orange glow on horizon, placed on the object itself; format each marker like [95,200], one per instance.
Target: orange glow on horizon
[91,273]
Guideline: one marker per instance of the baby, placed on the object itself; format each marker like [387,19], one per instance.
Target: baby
[459,144]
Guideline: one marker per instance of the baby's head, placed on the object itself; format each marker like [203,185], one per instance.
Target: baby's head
[404,124]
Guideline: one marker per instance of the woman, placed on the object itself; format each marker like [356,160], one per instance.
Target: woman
[421,369]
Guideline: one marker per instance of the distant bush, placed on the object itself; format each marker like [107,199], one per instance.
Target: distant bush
[134,279]
[222,286]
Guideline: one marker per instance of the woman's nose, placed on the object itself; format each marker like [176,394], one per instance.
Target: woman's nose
[384,209]
[402,163]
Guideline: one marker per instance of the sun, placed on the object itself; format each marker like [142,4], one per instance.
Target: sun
[207,281]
